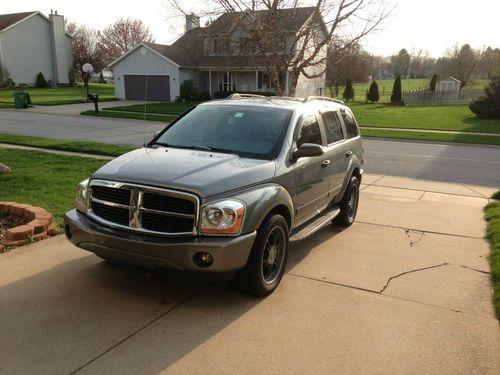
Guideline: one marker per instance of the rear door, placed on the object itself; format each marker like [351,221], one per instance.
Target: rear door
[336,151]
[312,175]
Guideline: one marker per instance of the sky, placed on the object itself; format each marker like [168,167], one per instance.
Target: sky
[432,25]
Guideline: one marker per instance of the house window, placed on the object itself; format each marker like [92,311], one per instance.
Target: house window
[221,46]
[264,80]
[228,81]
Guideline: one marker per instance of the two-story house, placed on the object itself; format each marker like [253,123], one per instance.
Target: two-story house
[216,58]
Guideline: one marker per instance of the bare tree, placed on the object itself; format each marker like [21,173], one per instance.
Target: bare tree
[459,62]
[285,50]
[84,47]
[122,36]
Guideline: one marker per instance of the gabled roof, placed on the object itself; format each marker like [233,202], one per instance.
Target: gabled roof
[188,50]
[7,20]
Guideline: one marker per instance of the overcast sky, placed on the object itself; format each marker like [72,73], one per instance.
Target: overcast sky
[434,25]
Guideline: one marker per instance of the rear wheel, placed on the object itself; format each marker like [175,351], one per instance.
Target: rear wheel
[267,261]
[349,204]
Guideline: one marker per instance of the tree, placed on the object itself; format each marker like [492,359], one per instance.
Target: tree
[282,49]
[121,37]
[41,81]
[373,94]
[396,96]
[348,91]
[459,62]
[489,106]
[432,84]
[400,63]
[354,63]
[84,48]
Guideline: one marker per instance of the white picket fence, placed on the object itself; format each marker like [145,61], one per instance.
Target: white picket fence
[428,97]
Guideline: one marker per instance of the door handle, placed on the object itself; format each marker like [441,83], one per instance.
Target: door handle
[325,163]
[348,154]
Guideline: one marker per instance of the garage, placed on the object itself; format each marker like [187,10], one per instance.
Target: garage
[147,87]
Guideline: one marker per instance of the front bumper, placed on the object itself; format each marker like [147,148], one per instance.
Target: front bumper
[229,253]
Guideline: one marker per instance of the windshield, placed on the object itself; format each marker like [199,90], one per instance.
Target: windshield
[253,132]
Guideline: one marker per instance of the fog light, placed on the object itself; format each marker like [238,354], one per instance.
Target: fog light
[203,259]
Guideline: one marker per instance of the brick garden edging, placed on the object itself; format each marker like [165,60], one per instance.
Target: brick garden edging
[39,224]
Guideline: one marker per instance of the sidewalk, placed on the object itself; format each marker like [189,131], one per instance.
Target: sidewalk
[430,131]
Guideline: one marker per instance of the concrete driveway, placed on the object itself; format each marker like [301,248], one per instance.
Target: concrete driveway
[405,290]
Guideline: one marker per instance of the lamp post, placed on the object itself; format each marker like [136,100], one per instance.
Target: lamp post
[87,70]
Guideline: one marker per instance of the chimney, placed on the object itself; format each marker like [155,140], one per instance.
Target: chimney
[61,49]
[192,21]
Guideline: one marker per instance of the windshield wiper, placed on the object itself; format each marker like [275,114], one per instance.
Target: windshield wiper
[198,147]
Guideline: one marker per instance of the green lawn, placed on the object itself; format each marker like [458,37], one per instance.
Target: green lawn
[61,95]
[492,215]
[385,88]
[65,145]
[457,118]
[163,108]
[131,115]
[55,178]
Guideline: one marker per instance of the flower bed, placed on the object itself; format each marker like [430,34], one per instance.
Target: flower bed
[22,224]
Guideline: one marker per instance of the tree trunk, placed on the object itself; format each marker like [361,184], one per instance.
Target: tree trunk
[293,84]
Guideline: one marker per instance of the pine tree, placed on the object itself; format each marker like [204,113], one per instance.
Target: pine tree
[373,94]
[40,81]
[396,92]
[432,85]
[348,91]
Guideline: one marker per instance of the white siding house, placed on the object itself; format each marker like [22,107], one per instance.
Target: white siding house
[214,63]
[31,43]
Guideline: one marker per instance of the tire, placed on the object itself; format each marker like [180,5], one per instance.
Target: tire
[349,204]
[265,269]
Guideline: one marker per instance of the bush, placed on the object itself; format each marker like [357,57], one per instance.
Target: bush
[348,91]
[432,84]
[373,94]
[8,83]
[101,78]
[188,91]
[204,96]
[489,106]
[396,96]
[40,81]
[71,76]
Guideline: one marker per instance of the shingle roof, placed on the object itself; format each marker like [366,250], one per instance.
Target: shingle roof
[7,20]
[188,50]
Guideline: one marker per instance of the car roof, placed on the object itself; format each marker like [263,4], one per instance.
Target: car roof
[279,102]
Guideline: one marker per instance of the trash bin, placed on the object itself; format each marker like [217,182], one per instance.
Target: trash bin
[20,100]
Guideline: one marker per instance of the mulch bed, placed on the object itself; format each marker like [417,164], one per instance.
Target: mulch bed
[8,220]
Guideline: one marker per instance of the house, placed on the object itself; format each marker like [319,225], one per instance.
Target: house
[449,85]
[215,58]
[31,43]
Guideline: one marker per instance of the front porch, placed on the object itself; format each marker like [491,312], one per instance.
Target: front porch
[213,81]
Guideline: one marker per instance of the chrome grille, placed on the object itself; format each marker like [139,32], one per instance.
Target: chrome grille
[143,208]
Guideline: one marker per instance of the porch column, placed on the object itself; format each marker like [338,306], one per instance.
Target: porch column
[256,80]
[210,82]
[286,84]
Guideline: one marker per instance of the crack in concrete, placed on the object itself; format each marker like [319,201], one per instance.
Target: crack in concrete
[418,232]
[407,272]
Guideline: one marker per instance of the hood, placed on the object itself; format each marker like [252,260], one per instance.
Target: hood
[201,172]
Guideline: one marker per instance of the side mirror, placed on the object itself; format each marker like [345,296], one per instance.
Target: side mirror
[308,150]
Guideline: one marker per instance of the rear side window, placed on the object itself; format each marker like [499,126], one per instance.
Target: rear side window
[333,127]
[350,124]
[309,133]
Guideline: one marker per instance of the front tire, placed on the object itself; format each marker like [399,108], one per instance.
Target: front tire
[267,262]
[349,204]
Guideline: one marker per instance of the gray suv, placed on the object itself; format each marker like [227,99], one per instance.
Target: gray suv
[226,186]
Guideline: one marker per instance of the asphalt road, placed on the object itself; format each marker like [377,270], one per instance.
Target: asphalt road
[470,164]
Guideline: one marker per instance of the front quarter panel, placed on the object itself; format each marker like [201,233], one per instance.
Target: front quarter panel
[260,201]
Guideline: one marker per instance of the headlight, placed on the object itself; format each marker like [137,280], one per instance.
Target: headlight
[82,195]
[224,217]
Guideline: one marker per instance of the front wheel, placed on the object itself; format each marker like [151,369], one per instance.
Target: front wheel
[349,204]
[267,261]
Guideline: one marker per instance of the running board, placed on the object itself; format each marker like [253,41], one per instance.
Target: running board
[314,225]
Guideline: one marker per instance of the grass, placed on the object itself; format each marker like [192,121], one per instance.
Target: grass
[162,108]
[61,95]
[55,178]
[6,105]
[65,145]
[385,88]
[437,137]
[130,115]
[455,118]
[492,215]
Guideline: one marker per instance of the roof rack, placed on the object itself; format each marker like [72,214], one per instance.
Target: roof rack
[238,96]
[325,98]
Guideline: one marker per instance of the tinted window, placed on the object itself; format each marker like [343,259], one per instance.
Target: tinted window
[309,133]
[350,125]
[333,127]
[244,130]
